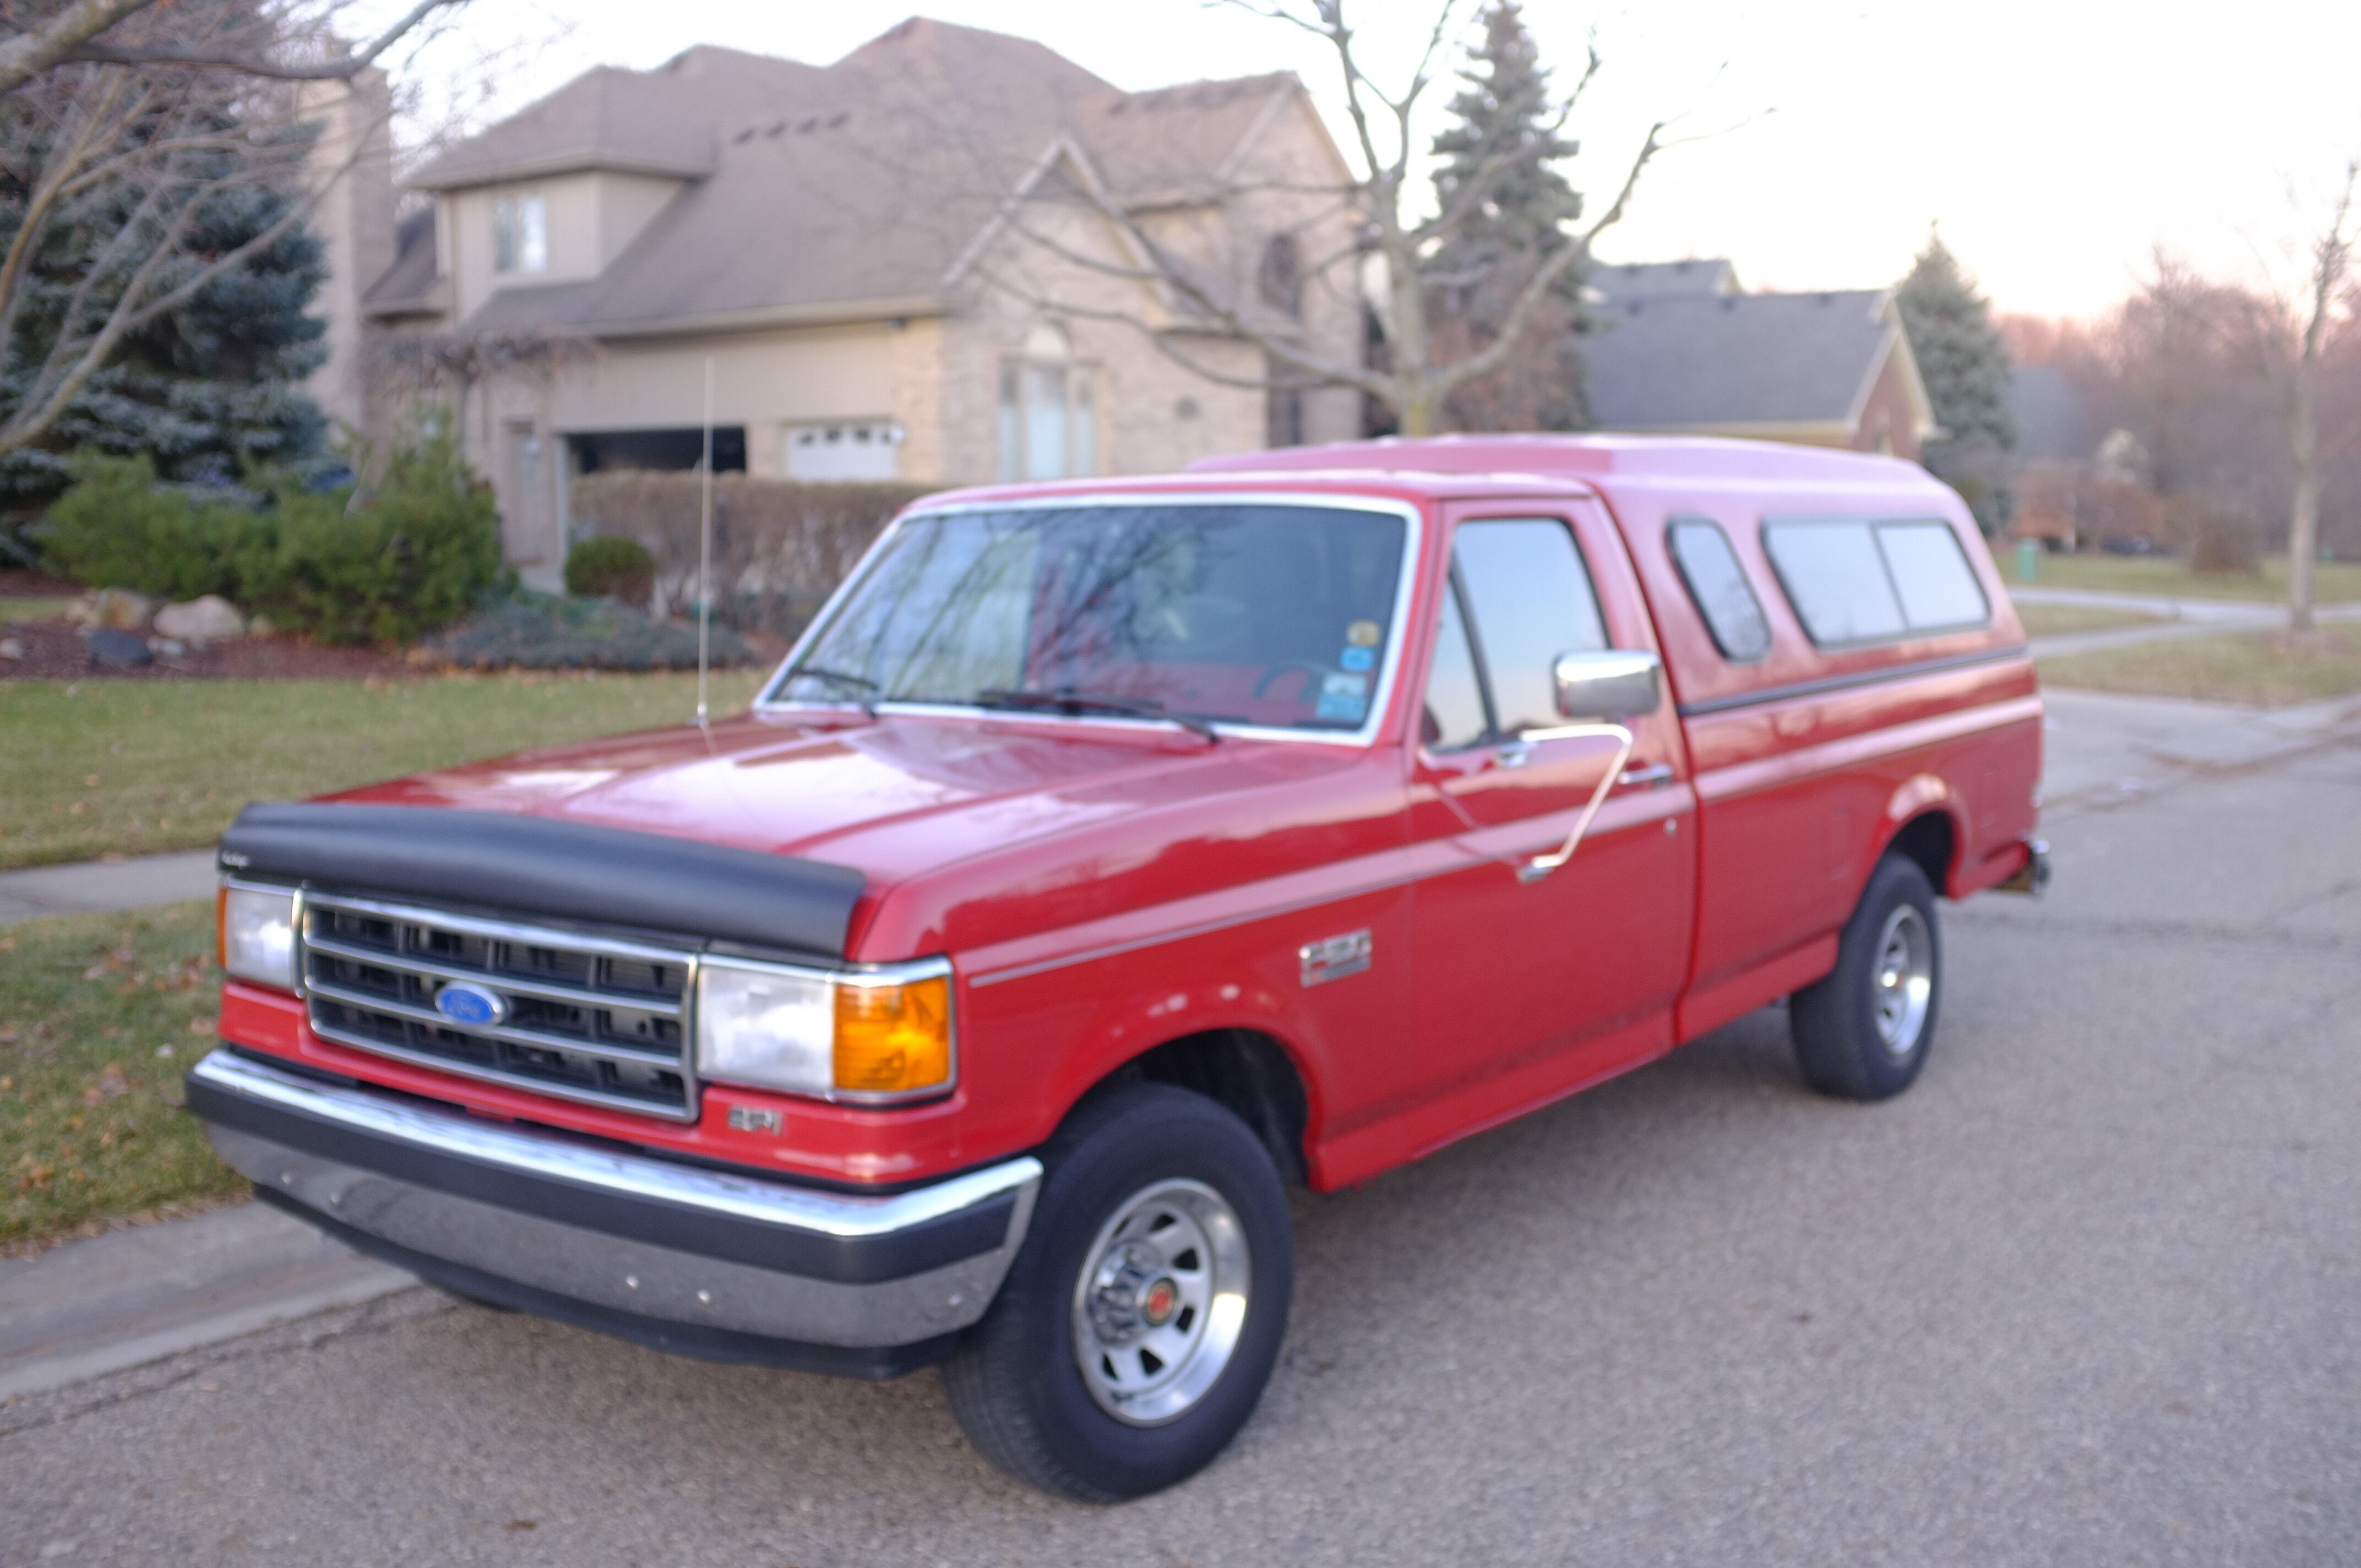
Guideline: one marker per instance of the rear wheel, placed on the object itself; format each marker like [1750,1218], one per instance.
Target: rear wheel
[1144,1311]
[1863,1033]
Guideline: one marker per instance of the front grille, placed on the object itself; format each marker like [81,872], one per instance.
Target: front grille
[596,1019]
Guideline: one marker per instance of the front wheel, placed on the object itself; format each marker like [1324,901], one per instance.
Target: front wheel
[1145,1309]
[1863,1033]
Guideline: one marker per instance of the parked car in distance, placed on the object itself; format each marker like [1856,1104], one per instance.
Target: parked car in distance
[1107,856]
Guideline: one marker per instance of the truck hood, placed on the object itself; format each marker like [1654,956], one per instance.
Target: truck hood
[906,799]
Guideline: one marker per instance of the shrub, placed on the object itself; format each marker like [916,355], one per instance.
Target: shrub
[613,568]
[778,546]
[408,557]
[118,528]
[534,633]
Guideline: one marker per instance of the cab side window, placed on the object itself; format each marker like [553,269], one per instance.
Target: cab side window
[1520,597]
[1717,586]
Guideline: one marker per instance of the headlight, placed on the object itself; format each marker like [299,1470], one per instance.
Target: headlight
[255,934]
[861,1038]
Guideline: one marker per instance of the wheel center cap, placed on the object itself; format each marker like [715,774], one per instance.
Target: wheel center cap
[1157,1304]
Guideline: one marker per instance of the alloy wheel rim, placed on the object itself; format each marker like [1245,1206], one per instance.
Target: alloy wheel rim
[1902,981]
[1161,1301]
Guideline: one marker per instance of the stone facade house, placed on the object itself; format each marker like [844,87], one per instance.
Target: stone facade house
[1676,349]
[901,265]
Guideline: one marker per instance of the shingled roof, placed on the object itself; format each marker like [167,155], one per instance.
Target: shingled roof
[1725,362]
[858,185]
[1656,279]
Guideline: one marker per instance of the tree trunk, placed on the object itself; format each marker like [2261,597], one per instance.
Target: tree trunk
[1419,413]
[2303,524]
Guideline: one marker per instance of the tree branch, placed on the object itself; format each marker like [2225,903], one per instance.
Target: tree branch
[344,68]
[50,45]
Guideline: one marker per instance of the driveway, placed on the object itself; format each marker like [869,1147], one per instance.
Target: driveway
[2090,1293]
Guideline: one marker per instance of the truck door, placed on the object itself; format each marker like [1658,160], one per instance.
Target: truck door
[1525,986]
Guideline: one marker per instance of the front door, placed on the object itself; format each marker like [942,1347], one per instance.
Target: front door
[1529,986]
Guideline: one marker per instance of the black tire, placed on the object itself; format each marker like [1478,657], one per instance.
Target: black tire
[1016,1385]
[1840,1044]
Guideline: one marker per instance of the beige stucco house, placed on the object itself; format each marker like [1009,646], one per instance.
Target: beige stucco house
[902,266]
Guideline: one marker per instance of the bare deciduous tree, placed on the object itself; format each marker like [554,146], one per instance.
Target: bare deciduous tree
[124,124]
[1397,253]
[2332,255]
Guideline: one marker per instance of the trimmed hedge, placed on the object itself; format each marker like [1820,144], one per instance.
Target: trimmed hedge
[409,555]
[612,568]
[779,545]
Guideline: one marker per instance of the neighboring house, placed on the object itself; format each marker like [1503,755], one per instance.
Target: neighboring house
[898,266]
[1674,347]
[2075,485]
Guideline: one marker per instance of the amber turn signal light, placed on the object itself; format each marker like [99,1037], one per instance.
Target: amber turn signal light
[894,1039]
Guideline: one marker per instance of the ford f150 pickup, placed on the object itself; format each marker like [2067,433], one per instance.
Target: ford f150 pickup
[1110,855]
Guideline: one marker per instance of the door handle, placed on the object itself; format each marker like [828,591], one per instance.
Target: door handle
[1515,755]
[1649,777]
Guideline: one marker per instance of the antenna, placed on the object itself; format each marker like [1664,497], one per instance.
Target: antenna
[705,548]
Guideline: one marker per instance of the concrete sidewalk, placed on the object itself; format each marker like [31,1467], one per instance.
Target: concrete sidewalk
[2176,618]
[94,1306]
[132,884]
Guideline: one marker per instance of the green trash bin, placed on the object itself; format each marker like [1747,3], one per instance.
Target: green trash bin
[2029,559]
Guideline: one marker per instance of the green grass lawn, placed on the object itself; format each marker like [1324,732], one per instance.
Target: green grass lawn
[2257,669]
[2333,582]
[100,1015]
[2056,619]
[31,608]
[134,767]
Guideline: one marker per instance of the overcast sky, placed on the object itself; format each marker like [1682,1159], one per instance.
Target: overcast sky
[2058,142]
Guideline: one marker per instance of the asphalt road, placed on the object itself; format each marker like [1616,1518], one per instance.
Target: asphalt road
[2090,1293]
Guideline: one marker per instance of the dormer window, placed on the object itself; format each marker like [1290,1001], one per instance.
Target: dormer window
[520,234]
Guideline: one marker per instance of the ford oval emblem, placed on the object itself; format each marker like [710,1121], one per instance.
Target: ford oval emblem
[464,1003]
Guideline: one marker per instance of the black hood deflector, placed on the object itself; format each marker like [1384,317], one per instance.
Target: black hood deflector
[530,864]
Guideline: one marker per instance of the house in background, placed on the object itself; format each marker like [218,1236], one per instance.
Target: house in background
[897,267]
[2077,485]
[1674,347]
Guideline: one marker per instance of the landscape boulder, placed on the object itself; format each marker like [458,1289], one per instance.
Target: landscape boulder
[116,609]
[200,621]
[108,646]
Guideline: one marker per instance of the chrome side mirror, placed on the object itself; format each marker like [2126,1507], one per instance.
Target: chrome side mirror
[1609,685]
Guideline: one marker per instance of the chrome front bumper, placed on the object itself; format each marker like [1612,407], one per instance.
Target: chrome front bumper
[693,1260]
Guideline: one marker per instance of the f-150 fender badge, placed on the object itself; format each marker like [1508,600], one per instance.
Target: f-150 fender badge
[1334,958]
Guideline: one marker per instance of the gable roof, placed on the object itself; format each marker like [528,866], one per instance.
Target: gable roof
[646,122]
[1737,362]
[1661,280]
[845,190]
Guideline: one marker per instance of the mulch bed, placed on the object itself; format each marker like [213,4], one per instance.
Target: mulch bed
[15,583]
[55,651]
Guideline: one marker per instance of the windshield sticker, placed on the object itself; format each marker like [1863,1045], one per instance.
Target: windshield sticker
[1357,659]
[1344,694]
[1362,633]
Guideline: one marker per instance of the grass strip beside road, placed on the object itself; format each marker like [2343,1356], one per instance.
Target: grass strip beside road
[2333,582]
[100,1015]
[2257,669]
[2057,619]
[137,767]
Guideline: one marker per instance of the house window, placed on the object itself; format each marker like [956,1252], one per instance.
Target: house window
[1281,280]
[843,452]
[1048,410]
[521,234]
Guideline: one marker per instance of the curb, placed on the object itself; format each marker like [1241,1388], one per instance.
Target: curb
[116,1302]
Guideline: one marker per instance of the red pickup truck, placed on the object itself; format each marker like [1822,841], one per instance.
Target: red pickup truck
[1109,855]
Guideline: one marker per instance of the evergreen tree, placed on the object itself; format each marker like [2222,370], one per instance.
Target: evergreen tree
[1965,365]
[206,391]
[1499,177]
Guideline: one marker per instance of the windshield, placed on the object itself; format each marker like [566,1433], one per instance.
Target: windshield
[1269,615]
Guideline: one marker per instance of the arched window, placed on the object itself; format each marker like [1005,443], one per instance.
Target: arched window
[1281,280]
[1049,410]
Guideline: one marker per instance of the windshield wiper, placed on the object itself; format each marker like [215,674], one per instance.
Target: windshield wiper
[1068,700]
[864,690]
